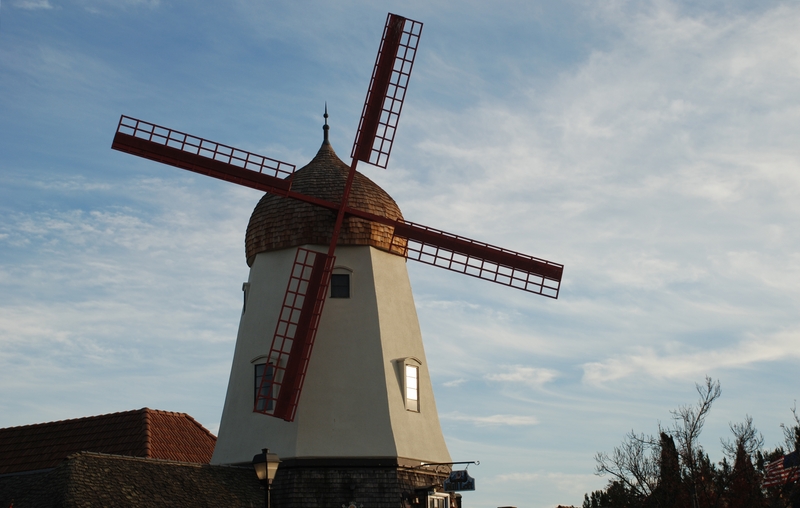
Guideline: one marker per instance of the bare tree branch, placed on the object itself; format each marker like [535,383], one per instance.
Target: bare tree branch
[634,463]
[744,434]
[791,433]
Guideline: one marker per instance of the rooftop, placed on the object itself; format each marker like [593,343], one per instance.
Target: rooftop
[280,223]
[144,432]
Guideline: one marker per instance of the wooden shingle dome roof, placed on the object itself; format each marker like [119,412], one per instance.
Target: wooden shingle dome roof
[280,223]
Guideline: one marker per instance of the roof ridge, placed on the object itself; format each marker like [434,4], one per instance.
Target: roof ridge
[173,413]
[147,433]
[135,459]
[163,412]
[200,425]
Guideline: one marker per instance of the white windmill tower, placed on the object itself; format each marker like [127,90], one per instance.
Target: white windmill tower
[367,420]
[367,391]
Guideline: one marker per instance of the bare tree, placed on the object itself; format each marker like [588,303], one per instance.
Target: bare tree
[675,472]
[746,435]
[634,464]
[687,426]
[674,467]
[791,433]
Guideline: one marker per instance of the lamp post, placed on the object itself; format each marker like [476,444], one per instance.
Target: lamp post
[266,465]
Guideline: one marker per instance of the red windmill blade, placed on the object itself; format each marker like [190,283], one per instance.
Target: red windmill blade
[305,297]
[387,91]
[426,245]
[291,346]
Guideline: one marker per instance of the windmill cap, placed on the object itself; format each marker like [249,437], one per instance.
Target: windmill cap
[281,223]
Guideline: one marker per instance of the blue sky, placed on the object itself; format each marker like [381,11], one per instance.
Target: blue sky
[651,147]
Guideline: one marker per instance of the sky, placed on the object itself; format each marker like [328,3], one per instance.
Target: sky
[650,146]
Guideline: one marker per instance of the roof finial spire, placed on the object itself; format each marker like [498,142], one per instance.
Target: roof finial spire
[325,127]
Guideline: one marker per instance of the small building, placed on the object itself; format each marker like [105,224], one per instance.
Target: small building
[143,457]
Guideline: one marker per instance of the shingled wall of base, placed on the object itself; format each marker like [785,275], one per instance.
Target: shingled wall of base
[310,484]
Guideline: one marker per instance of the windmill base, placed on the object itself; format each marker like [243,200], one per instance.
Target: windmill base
[357,483]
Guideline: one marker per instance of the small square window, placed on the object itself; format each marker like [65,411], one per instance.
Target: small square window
[340,285]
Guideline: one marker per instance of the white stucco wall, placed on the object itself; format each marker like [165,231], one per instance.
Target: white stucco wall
[352,404]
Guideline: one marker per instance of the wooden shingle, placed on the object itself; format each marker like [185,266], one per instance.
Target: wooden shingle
[281,223]
[89,479]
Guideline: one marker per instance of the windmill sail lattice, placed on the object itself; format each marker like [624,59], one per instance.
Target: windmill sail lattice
[168,146]
[477,259]
[387,91]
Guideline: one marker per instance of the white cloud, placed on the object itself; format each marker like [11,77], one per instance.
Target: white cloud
[33,4]
[86,292]
[492,420]
[637,123]
[564,482]
[529,376]
[563,488]
[94,6]
[689,362]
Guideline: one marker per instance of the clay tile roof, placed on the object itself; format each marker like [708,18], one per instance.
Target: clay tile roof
[280,223]
[93,479]
[140,433]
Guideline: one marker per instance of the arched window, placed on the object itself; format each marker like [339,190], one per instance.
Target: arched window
[410,375]
[264,376]
[412,387]
[265,385]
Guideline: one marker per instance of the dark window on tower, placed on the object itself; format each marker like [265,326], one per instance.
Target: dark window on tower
[246,292]
[340,285]
[266,389]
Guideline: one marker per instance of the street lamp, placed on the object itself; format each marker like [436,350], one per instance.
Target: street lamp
[266,465]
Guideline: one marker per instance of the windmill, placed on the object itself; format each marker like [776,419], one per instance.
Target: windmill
[280,381]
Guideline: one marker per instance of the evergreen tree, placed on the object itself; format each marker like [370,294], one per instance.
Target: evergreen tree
[745,483]
[598,499]
[668,492]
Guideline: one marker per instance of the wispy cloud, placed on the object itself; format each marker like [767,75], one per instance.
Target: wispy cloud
[562,481]
[492,420]
[94,6]
[529,376]
[32,4]
[687,362]
[92,292]
[649,146]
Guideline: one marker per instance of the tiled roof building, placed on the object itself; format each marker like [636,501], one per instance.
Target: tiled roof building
[141,433]
[134,458]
